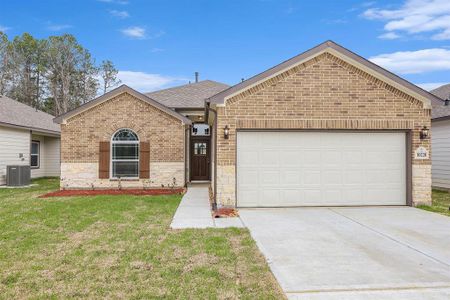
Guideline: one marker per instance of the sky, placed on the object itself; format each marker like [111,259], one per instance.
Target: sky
[161,43]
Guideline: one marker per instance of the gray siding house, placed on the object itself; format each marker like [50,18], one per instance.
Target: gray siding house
[28,137]
[440,138]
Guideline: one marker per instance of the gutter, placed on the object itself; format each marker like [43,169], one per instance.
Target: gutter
[208,109]
[36,129]
[440,119]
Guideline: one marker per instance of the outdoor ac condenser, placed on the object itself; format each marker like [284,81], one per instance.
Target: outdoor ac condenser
[17,175]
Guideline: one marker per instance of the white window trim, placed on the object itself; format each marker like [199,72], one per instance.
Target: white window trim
[129,160]
[38,154]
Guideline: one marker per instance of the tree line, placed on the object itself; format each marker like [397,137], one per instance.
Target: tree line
[55,74]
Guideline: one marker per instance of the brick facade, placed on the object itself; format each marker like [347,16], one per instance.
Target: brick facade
[322,93]
[81,134]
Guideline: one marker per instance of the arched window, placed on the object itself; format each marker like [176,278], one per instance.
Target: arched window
[125,154]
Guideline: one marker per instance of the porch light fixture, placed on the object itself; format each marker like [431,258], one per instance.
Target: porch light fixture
[226,132]
[424,132]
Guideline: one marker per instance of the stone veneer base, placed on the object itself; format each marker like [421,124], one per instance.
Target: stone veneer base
[85,176]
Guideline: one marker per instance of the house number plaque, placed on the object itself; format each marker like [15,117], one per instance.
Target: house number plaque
[421,153]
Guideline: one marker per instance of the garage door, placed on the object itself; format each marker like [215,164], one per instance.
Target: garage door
[277,169]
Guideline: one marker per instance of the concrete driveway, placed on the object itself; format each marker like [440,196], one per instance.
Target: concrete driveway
[355,253]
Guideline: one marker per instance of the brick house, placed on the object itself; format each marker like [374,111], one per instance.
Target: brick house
[326,127]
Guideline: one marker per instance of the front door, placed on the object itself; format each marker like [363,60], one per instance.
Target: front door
[200,159]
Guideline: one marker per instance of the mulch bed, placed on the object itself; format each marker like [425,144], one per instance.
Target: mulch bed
[136,192]
[225,213]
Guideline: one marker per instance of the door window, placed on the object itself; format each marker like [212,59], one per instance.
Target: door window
[200,148]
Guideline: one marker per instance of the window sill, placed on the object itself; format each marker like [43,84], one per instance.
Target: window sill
[124,179]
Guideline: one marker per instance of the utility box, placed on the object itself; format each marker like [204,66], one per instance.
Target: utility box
[18,175]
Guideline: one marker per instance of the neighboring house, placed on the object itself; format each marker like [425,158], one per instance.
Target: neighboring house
[326,127]
[440,138]
[28,137]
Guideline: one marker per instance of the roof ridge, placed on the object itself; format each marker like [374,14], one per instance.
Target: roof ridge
[185,85]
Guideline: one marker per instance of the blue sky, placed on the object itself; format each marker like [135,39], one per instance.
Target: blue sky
[157,44]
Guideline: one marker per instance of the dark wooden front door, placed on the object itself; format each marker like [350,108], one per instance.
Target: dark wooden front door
[200,159]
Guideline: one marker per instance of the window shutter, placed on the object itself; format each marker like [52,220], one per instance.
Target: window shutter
[103,160]
[144,160]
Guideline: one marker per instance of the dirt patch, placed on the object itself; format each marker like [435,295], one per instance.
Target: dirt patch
[135,192]
[200,260]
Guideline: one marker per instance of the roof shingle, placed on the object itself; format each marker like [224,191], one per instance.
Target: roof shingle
[191,95]
[439,110]
[13,112]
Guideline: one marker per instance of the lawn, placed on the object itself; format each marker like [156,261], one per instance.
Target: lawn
[120,247]
[441,203]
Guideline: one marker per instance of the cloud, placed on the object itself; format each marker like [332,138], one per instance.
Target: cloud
[414,17]
[389,36]
[58,27]
[122,14]
[138,32]
[147,82]
[4,28]
[414,62]
[135,32]
[431,85]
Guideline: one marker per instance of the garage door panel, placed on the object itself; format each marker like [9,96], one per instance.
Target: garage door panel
[332,157]
[249,158]
[353,195]
[320,168]
[332,177]
[310,156]
[251,197]
[268,177]
[289,177]
[248,177]
[269,197]
[291,158]
[290,197]
[354,177]
[352,157]
[312,177]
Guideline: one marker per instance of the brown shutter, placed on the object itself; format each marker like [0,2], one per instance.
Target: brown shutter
[103,160]
[144,160]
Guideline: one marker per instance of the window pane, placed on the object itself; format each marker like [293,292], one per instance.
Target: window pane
[125,169]
[200,148]
[34,148]
[125,135]
[34,161]
[125,151]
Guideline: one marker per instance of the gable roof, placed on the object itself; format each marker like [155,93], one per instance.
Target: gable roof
[442,92]
[113,93]
[339,51]
[439,110]
[16,114]
[191,95]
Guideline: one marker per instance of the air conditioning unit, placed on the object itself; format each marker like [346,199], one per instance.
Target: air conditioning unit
[17,175]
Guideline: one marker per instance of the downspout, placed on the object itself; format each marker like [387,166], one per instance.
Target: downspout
[214,204]
[186,154]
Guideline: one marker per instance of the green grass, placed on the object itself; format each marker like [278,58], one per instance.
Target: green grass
[441,203]
[120,247]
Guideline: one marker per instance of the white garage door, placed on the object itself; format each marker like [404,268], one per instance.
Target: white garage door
[320,169]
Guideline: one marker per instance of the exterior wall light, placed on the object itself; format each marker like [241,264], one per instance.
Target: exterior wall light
[226,132]
[424,133]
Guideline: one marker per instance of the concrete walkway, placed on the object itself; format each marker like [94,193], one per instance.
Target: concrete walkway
[194,211]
